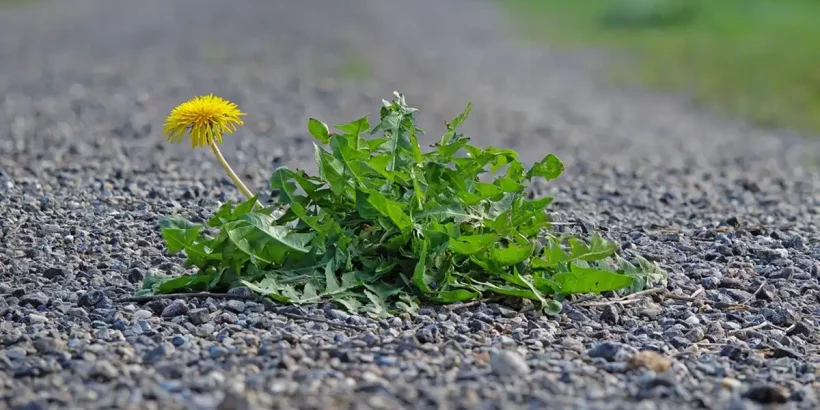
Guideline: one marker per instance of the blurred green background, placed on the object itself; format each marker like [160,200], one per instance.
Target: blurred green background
[756,59]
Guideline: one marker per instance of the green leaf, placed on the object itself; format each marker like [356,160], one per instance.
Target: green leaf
[599,248]
[180,235]
[590,280]
[549,168]
[331,283]
[457,121]
[377,307]
[370,202]
[186,283]
[244,236]
[266,224]
[331,171]
[471,244]
[511,255]
[319,130]
[355,128]
[419,273]
[458,295]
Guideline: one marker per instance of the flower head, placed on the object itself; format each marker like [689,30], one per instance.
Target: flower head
[207,117]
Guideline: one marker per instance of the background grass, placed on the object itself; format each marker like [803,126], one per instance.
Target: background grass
[758,59]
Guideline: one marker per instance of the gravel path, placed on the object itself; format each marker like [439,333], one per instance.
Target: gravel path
[85,175]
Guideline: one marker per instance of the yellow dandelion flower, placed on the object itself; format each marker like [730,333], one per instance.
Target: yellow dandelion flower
[207,117]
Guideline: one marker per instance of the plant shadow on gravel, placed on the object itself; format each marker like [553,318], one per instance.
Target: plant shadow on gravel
[385,228]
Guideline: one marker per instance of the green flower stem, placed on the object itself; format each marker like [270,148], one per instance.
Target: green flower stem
[235,178]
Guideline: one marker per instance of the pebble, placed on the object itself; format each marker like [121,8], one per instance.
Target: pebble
[506,363]
[143,314]
[34,318]
[766,394]
[199,316]
[611,351]
[236,306]
[35,299]
[176,308]
[651,360]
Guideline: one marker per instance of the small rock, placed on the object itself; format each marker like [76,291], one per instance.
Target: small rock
[611,351]
[385,360]
[157,306]
[800,328]
[710,282]
[34,318]
[143,314]
[199,316]
[236,306]
[176,308]
[428,334]
[16,353]
[104,303]
[766,293]
[52,273]
[695,335]
[103,369]
[217,351]
[477,325]
[729,383]
[784,352]
[572,344]
[135,275]
[738,295]
[778,317]
[90,298]
[505,363]
[242,291]
[651,360]
[158,353]
[733,352]
[48,345]
[206,329]
[680,342]
[766,394]
[651,311]
[610,315]
[179,340]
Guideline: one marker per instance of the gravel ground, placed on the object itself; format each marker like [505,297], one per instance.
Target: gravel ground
[85,175]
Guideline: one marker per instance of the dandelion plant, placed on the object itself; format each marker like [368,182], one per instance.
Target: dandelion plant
[385,226]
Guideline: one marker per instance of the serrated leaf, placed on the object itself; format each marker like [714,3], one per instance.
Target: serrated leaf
[350,303]
[511,254]
[331,171]
[369,202]
[377,306]
[355,128]
[549,168]
[180,235]
[471,244]
[331,283]
[598,249]
[266,224]
[456,122]
[590,280]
